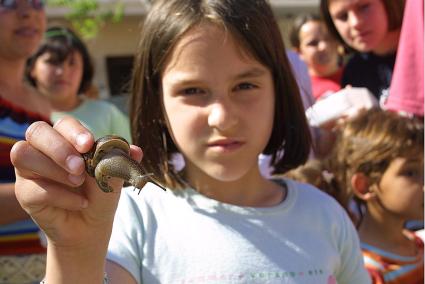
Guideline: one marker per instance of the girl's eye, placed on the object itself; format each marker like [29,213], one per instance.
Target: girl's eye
[364,7]
[342,17]
[53,62]
[192,91]
[245,86]
[411,173]
[313,43]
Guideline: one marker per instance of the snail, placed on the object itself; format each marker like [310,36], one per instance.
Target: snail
[109,157]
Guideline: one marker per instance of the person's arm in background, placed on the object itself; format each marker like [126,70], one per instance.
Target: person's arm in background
[10,209]
[407,84]
[322,138]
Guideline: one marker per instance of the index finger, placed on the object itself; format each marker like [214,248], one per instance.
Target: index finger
[75,133]
[63,143]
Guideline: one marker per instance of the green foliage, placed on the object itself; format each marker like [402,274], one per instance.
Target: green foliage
[87,17]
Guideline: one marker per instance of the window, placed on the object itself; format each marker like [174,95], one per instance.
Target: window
[119,70]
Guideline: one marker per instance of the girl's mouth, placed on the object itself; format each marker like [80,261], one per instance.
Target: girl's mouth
[225,145]
[26,32]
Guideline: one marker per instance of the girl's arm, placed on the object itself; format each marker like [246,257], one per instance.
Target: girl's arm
[52,186]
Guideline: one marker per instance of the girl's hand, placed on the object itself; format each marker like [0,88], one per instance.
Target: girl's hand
[53,187]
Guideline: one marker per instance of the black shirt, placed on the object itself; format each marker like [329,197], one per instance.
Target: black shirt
[369,70]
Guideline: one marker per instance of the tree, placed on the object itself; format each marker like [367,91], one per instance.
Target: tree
[87,16]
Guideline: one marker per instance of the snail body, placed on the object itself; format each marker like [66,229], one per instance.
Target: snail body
[109,157]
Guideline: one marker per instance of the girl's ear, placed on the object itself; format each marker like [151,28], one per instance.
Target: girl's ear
[361,187]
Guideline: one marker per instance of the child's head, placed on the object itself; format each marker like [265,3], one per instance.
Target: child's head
[246,34]
[379,154]
[314,172]
[363,25]
[61,64]
[316,46]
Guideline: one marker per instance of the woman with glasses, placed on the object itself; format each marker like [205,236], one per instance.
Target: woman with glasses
[22,25]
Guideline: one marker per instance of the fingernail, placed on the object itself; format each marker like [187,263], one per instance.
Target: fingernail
[75,164]
[76,180]
[82,138]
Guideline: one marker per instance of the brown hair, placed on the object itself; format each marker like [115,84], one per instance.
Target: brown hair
[314,172]
[299,21]
[253,25]
[368,143]
[394,9]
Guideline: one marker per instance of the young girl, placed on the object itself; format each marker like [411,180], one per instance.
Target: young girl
[371,28]
[211,82]
[379,160]
[22,24]
[62,71]
[311,39]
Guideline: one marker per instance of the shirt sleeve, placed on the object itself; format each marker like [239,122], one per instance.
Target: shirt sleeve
[352,269]
[407,85]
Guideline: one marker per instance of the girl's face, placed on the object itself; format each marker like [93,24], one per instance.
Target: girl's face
[59,81]
[219,103]
[318,49]
[401,189]
[21,30]
[363,24]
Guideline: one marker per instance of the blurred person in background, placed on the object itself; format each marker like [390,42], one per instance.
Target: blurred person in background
[378,161]
[320,51]
[371,30]
[62,72]
[375,172]
[22,255]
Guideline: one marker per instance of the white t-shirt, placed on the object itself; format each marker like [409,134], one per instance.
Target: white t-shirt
[185,237]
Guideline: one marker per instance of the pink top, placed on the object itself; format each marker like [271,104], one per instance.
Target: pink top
[407,85]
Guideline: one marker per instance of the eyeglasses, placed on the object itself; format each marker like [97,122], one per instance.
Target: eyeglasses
[13,4]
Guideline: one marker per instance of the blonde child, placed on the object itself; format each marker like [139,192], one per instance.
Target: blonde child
[378,160]
[212,82]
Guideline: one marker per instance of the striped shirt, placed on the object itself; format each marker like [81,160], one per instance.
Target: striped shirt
[22,254]
[389,268]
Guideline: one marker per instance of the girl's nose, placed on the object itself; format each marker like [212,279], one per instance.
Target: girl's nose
[59,70]
[323,45]
[355,20]
[222,116]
